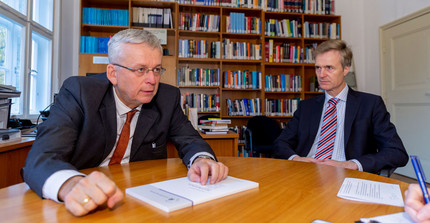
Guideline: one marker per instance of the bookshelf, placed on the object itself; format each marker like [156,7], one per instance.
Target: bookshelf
[267,60]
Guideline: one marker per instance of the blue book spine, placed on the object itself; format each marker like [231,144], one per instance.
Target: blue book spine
[283,82]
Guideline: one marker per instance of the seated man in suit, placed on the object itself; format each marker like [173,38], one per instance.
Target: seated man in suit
[121,116]
[343,127]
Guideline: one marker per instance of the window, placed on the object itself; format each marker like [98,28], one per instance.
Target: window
[18,5]
[26,49]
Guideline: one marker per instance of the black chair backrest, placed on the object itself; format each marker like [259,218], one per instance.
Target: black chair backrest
[264,130]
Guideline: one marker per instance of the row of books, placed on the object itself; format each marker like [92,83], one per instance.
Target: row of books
[314,85]
[284,83]
[244,107]
[280,107]
[152,17]
[240,130]
[308,56]
[320,7]
[111,17]
[237,22]
[296,6]
[92,44]
[198,76]
[241,50]
[199,22]
[283,28]
[242,79]
[190,48]
[321,30]
[282,53]
[203,102]
[200,2]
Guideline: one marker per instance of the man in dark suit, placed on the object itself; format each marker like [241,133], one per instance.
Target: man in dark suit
[357,132]
[121,116]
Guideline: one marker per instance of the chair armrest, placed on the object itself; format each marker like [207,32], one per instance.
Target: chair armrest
[386,172]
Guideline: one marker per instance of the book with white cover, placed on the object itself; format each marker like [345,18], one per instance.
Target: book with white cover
[171,195]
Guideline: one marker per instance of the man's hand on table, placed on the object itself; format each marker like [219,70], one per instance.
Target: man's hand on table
[203,168]
[84,194]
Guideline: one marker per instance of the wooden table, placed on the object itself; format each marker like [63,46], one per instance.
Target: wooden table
[289,191]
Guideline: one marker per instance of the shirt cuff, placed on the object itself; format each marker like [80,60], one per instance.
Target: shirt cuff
[199,154]
[292,157]
[52,185]
[360,167]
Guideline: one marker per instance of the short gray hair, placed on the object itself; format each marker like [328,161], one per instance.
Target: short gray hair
[337,45]
[136,36]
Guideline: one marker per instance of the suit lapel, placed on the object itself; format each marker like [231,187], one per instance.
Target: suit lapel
[317,109]
[107,113]
[147,117]
[352,105]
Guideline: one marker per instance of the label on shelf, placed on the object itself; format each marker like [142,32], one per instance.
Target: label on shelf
[100,60]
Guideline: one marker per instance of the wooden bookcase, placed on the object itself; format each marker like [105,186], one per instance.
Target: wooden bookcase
[173,62]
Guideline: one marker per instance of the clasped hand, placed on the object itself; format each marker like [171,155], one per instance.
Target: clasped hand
[343,164]
[82,195]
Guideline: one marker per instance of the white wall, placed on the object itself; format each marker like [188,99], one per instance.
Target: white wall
[69,39]
[361,20]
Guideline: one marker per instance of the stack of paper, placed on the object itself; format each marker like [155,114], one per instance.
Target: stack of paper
[214,126]
[371,191]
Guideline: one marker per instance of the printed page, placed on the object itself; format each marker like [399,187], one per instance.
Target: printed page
[401,217]
[371,191]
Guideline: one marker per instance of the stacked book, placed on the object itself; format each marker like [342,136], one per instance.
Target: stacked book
[214,126]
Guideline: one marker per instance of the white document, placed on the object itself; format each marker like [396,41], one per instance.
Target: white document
[371,191]
[401,217]
[179,193]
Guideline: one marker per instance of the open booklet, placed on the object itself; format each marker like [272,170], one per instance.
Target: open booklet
[171,195]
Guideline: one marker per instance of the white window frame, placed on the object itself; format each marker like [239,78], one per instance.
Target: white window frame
[30,26]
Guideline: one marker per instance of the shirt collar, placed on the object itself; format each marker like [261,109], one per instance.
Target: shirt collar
[121,108]
[343,95]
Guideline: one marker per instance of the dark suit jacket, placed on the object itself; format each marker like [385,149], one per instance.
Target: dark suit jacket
[81,130]
[370,137]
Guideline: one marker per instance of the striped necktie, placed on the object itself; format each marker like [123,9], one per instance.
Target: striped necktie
[328,131]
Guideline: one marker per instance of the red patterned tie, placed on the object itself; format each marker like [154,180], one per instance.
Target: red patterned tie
[124,137]
[328,131]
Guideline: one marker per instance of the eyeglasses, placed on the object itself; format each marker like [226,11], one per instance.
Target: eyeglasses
[143,70]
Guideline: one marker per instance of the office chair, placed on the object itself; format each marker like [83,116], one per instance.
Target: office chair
[260,133]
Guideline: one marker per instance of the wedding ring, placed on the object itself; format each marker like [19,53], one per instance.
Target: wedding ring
[86,200]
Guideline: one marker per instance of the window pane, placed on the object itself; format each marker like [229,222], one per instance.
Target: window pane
[19,5]
[12,59]
[43,12]
[40,75]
